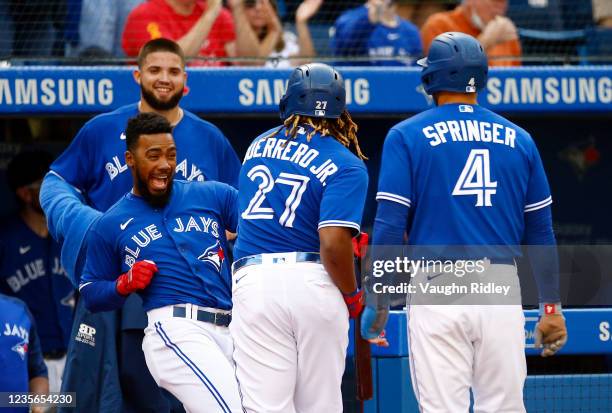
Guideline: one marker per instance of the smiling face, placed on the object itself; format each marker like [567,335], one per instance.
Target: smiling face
[162,80]
[153,163]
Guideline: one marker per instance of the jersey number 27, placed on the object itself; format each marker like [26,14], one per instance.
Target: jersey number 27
[475,178]
[255,210]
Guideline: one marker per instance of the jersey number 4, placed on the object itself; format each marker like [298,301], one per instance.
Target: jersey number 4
[475,178]
[298,184]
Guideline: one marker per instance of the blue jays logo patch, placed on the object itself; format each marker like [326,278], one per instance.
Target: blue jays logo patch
[21,348]
[214,255]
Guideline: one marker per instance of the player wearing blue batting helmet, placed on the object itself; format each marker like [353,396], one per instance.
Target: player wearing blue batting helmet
[456,62]
[300,203]
[316,90]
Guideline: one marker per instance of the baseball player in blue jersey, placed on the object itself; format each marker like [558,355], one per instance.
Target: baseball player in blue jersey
[94,166]
[30,263]
[166,240]
[459,174]
[301,199]
[21,362]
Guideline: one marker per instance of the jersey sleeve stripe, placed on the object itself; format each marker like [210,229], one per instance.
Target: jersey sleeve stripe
[337,223]
[538,205]
[83,285]
[394,198]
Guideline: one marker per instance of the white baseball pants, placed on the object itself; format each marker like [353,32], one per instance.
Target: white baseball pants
[192,360]
[55,369]
[290,330]
[453,348]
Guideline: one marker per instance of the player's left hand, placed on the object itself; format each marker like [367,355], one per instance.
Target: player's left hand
[354,302]
[550,334]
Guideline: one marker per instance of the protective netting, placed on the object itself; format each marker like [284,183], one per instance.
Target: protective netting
[278,32]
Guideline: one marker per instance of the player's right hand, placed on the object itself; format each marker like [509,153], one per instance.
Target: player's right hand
[137,278]
[373,321]
[354,302]
[550,334]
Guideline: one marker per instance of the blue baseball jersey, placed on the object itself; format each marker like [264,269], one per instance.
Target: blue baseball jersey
[289,189]
[20,354]
[186,239]
[355,35]
[30,270]
[95,160]
[468,175]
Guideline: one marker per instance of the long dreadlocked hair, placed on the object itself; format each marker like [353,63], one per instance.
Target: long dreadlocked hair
[343,129]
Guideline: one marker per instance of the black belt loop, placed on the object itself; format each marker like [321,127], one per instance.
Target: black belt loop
[218,319]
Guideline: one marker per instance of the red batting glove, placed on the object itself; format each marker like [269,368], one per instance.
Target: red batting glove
[354,302]
[360,244]
[137,278]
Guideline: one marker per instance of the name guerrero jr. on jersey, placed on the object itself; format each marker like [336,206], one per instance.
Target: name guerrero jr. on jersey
[300,154]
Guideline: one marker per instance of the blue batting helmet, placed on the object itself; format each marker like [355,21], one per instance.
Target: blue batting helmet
[316,90]
[456,63]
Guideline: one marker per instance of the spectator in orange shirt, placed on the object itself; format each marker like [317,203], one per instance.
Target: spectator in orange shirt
[483,19]
[201,28]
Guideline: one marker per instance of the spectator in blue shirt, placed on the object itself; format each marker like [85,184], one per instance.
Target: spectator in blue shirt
[101,26]
[376,30]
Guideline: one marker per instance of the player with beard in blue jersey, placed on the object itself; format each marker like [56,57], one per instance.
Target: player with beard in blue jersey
[375,30]
[165,241]
[30,262]
[301,199]
[87,179]
[466,184]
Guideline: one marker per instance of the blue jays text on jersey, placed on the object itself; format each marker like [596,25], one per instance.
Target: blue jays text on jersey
[30,270]
[355,35]
[20,353]
[95,162]
[488,173]
[290,188]
[186,239]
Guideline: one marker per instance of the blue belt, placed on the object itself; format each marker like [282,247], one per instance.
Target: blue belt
[218,319]
[276,258]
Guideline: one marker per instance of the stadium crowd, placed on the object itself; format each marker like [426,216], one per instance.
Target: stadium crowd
[277,32]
